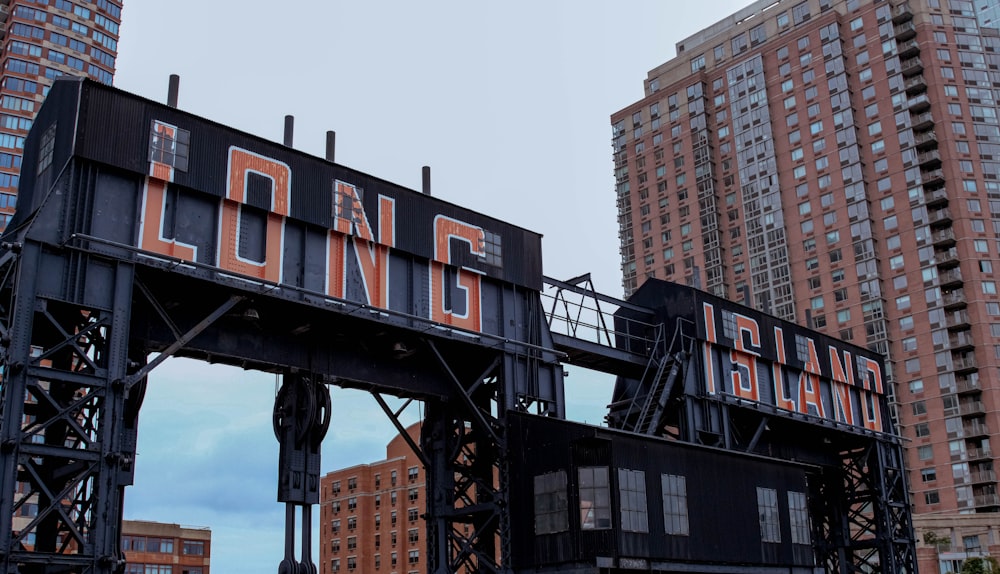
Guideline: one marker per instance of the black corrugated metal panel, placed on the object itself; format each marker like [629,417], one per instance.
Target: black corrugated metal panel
[774,347]
[724,525]
[61,111]
[114,129]
[672,301]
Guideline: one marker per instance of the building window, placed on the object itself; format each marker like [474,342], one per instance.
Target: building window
[392,478]
[595,498]
[352,483]
[932,497]
[412,515]
[335,526]
[767,508]
[393,497]
[169,145]
[928,475]
[352,522]
[632,495]
[163,545]
[47,148]
[412,473]
[352,542]
[925,452]
[675,510]
[798,516]
[352,503]
[194,548]
[412,494]
[698,62]
[336,487]
[352,562]
[551,503]
[493,255]
[413,535]
[413,556]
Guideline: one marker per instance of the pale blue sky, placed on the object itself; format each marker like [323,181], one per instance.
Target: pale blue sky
[508,102]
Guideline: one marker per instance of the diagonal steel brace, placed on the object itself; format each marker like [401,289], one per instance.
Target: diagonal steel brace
[183,340]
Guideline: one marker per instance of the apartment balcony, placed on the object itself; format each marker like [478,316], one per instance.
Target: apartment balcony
[932,177]
[944,238]
[978,453]
[925,140]
[908,48]
[973,408]
[960,341]
[954,300]
[901,13]
[975,430]
[967,384]
[957,320]
[936,197]
[919,103]
[966,365]
[915,84]
[983,476]
[911,67]
[946,259]
[939,217]
[987,500]
[929,159]
[904,31]
[921,121]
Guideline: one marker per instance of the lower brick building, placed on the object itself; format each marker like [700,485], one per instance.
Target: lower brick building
[160,548]
[371,514]
[944,542]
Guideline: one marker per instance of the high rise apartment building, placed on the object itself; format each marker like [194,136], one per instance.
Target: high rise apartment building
[371,515]
[837,163]
[43,39]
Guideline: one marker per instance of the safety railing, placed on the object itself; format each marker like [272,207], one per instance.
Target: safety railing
[575,309]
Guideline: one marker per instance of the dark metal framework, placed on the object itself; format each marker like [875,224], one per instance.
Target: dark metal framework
[77,356]
[860,500]
[81,309]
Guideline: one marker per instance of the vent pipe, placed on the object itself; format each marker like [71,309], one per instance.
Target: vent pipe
[289,130]
[331,145]
[173,89]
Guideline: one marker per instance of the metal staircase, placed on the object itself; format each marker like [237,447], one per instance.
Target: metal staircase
[640,405]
